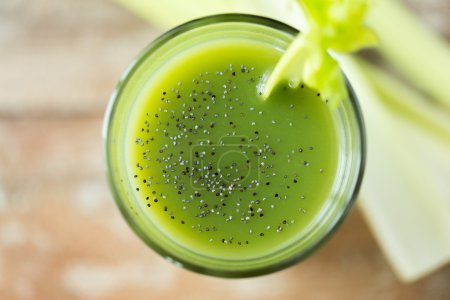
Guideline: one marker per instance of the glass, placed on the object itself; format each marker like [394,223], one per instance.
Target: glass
[347,119]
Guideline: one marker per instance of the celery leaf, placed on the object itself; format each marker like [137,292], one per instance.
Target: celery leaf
[333,26]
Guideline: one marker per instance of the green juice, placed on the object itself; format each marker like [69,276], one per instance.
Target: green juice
[212,176]
[218,170]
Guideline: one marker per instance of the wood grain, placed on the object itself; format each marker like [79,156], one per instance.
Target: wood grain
[61,236]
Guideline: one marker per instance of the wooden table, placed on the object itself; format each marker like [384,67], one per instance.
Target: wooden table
[61,236]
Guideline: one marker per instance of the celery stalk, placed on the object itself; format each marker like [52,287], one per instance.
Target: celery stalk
[407,103]
[170,13]
[405,206]
[420,54]
[333,25]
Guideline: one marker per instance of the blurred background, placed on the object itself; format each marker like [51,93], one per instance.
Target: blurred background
[61,235]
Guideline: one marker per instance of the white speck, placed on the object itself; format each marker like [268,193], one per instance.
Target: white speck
[91,196]
[91,280]
[23,289]
[271,287]
[12,234]
[3,201]
[42,240]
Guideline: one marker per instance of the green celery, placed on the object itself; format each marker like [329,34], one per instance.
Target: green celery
[402,198]
[420,54]
[405,102]
[170,13]
[333,25]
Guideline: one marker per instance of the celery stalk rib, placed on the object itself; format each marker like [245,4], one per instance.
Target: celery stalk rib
[407,103]
[169,13]
[420,54]
[407,213]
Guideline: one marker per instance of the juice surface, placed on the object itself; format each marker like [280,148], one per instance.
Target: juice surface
[218,169]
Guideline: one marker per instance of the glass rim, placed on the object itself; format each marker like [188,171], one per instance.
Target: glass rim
[186,263]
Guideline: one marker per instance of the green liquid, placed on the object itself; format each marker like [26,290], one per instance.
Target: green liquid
[219,170]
